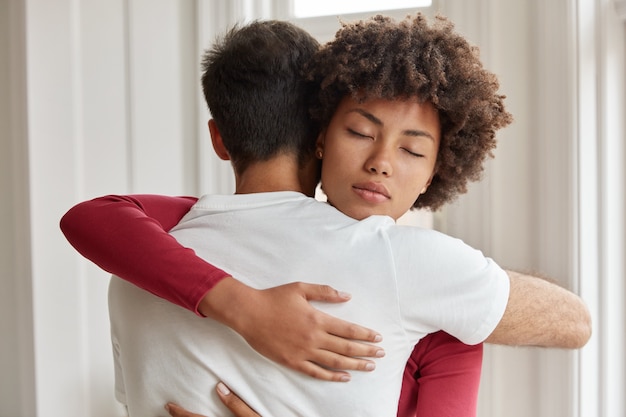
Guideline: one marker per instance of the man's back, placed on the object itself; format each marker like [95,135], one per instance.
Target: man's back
[402,280]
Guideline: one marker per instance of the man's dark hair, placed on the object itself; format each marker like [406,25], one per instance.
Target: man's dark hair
[253,85]
[382,58]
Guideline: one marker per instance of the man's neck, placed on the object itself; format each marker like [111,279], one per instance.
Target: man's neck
[281,173]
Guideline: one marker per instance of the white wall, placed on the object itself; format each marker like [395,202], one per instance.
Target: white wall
[17,368]
[553,198]
[102,97]
[601,129]
[520,213]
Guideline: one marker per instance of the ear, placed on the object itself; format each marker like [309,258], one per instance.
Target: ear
[319,144]
[425,188]
[216,140]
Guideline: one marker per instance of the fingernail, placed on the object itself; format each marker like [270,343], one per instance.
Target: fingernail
[380,353]
[223,389]
[167,407]
[370,366]
[378,338]
[345,378]
[343,294]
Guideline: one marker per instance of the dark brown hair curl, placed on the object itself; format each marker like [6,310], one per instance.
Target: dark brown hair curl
[384,58]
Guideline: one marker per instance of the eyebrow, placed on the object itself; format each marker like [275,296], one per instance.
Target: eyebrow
[409,132]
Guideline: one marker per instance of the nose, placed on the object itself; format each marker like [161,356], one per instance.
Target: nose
[380,162]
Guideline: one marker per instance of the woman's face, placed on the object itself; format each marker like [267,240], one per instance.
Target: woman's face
[379,155]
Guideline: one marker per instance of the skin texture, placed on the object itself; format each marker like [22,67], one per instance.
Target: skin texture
[379,155]
[541,313]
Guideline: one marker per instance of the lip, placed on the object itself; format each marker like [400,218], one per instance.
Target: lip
[372,192]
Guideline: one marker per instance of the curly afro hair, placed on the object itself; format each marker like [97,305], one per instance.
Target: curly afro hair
[384,58]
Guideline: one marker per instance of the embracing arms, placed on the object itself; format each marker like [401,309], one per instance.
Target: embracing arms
[540,313]
[126,235]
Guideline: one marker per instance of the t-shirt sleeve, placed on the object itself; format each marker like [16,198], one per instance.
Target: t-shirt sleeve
[127,236]
[444,284]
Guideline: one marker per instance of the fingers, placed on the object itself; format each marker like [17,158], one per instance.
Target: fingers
[330,363]
[331,366]
[234,403]
[293,333]
[323,293]
[350,333]
[323,368]
[348,355]
[345,340]
[318,372]
[178,411]
[339,327]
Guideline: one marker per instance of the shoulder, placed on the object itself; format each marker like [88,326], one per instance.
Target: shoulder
[401,234]
[430,247]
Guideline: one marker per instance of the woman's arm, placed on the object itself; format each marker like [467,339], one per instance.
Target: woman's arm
[441,378]
[127,236]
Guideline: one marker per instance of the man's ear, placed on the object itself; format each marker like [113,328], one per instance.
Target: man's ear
[218,143]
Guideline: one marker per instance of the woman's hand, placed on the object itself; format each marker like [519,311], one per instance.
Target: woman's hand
[281,324]
[230,400]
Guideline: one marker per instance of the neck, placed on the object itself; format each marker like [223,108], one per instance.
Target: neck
[280,173]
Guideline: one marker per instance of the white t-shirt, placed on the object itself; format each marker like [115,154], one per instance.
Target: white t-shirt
[405,282]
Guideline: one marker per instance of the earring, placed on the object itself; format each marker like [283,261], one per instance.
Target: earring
[319,154]
[423,190]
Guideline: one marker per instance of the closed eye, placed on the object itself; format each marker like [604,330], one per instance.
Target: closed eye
[415,154]
[355,133]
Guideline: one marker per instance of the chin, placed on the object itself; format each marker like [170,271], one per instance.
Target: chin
[355,214]
[359,212]
[364,214]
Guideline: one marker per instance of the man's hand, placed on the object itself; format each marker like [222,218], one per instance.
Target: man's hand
[230,400]
[281,324]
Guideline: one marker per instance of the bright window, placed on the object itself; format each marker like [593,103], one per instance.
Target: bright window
[308,8]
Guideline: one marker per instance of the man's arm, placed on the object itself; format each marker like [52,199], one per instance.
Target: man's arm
[127,236]
[540,313]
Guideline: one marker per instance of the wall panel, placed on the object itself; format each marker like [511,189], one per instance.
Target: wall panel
[111,107]
[17,368]
[521,213]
